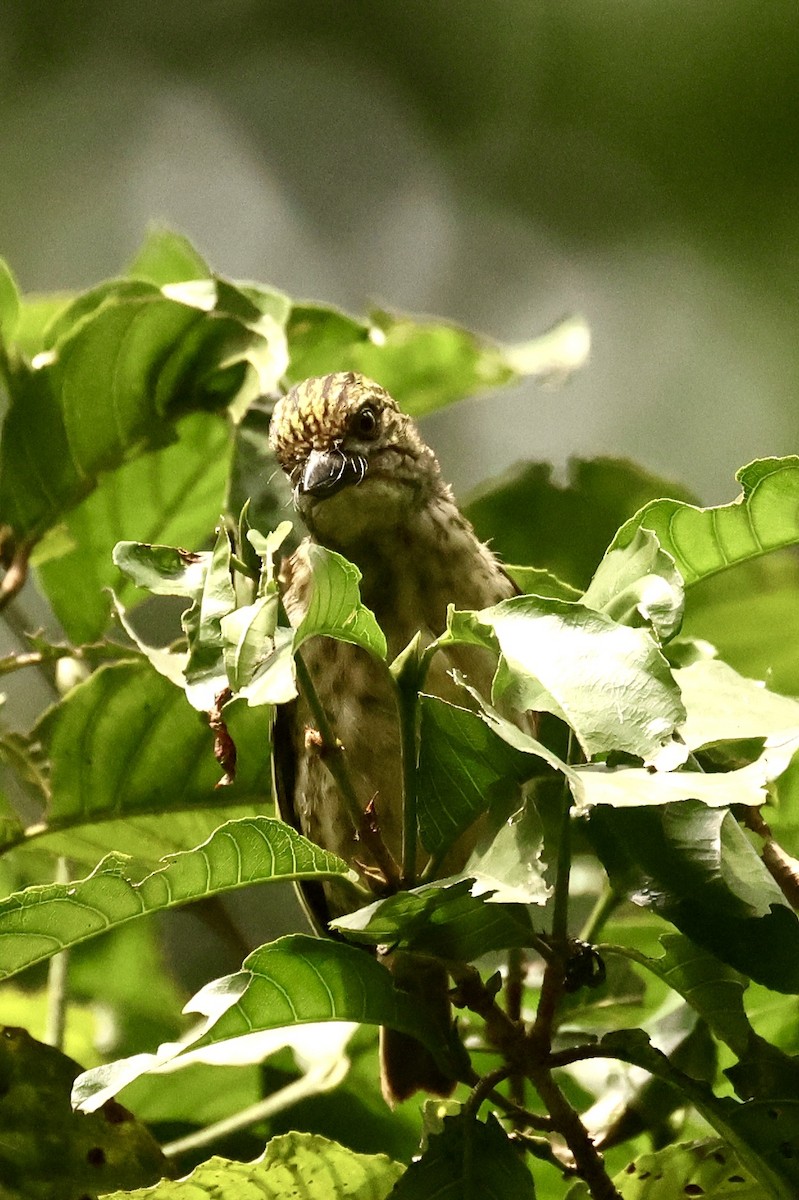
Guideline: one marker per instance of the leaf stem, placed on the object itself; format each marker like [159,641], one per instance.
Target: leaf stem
[408,703]
[605,906]
[58,980]
[560,903]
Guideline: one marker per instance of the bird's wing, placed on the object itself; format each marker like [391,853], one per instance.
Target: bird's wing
[284,780]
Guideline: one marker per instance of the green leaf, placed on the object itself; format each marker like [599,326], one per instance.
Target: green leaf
[295,1164]
[129,361]
[442,919]
[713,989]
[524,513]
[163,570]
[167,257]
[536,581]
[424,364]
[725,706]
[9,303]
[639,585]
[465,768]
[751,614]
[173,495]
[703,541]
[694,866]
[295,980]
[40,921]
[49,1150]
[506,862]
[205,672]
[710,1169]
[125,745]
[36,314]
[625,787]
[468,1158]
[335,609]
[559,657]
[765,1135]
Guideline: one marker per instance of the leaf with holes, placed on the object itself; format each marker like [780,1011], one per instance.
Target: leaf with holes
[294,1164]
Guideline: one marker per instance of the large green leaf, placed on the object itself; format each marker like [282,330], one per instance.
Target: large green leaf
[127,360]
[608,681]
[694,866]
[40,921]
[638,584]
[525,513]
[465,768]
[751,614]
[710,1169]
[468,1158]
[723,706]
[704,541]
[172,496]
[167,257]
[126,745]
[294,981]
[295,1164]
[47,1150]
[424,364]
[765,1134]
[442,919]
[335,608]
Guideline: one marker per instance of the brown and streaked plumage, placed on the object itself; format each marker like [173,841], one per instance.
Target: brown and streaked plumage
[367,486]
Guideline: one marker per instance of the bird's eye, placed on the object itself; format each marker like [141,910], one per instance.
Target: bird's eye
[365,422]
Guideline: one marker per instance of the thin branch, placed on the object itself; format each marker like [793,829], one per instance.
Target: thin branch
[282,1099]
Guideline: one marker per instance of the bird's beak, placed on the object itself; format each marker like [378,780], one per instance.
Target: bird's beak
[327,471]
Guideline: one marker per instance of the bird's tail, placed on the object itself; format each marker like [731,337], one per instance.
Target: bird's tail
[406,1066]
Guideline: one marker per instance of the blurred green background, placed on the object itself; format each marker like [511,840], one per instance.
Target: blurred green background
[501,164]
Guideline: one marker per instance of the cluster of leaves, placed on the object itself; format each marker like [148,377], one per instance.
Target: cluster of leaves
[137,411]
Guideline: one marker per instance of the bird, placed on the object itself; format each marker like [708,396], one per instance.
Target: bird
[367,486]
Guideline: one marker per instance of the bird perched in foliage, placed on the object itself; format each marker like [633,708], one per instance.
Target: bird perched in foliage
[367,486]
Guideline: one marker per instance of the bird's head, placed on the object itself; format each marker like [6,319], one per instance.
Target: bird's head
[355,461]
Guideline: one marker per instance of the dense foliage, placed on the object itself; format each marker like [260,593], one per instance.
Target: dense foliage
[624,951]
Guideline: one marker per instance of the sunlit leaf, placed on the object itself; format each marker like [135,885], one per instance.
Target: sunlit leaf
[40,921]
[722,705]
[293,981]
[709,1168]
[127,361]
[424,364]
[299,1164]
[639,585]
[703,541]
[608,681]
